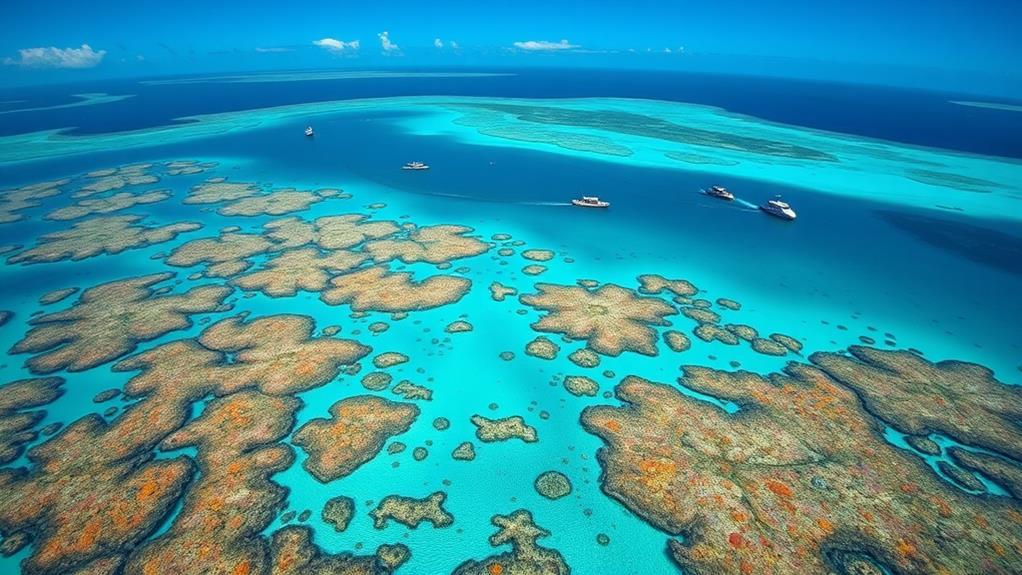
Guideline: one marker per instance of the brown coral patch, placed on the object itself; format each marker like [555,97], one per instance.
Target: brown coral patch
[100,235]
[109,320]
[431,244]
[275,203]
[525,557]
[330,232]
[655,284]
[225,255]
[355,432]
[377,289]
[410,511]
[14,201]
[503,429]
[613,319]
[305,269]
[16,422]
[799,480]
[102,181]
[109,204]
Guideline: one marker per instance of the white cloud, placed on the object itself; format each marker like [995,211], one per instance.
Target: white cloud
[545,46]
[335,45]
[273,50]
[385,42]
[438,43]
[53,57]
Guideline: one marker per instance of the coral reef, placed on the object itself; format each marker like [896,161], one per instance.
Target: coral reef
[16,422]
[376,289]
[338,512]
[613,319]
[116,202]
[459,326]
[100,235]
[410,512]
[499,291]
[355,432]
[538,255]
[542,348]
[14,201]
[533,270]
[581,385]
[54,296]
[655,284]
[768,489]
[787,341]
[293,553]
[431,244]
[275,203]
[411,391]
[503,429]
[526,556]
[330,232]
[768,347]
[552,484]
[102,181]
[728,304]
[465,451]
[584,357]
[677,341]
[216,190]
[109,320]
[305,269]
[389,359]
[225,255]
[376,380]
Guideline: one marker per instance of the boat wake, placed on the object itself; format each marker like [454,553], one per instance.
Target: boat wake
[746,204]
[543,203]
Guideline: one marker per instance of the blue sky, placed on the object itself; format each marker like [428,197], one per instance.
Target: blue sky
[946,43]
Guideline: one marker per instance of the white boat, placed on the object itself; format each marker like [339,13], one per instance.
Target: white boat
[308,131]
[415,166]
[590,202]
[720,192]
[778,208]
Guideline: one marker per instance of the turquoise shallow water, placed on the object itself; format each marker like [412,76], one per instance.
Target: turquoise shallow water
[862,260]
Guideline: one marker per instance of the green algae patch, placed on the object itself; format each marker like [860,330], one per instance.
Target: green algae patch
[552,484]
[412,512]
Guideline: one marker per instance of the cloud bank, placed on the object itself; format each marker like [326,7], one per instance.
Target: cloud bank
[545,46]
[385,42]
[53,57]
[335,45]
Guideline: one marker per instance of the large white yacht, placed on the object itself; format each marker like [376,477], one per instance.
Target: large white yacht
[776,207]
[308,131]
[415,166]
[590,202]
[720,192]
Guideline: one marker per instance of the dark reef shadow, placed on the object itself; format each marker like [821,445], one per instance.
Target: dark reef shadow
[982,245]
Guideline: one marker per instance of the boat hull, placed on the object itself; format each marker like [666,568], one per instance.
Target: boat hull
[788,217]
[588,205]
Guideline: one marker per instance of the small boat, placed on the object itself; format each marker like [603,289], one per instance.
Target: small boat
[308,131]
[778,208]
[415,166]
[720,192]
[590,202]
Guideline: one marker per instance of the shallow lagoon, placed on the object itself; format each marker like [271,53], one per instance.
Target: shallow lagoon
[839,271]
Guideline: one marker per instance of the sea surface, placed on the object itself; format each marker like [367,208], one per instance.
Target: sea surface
[908,236]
